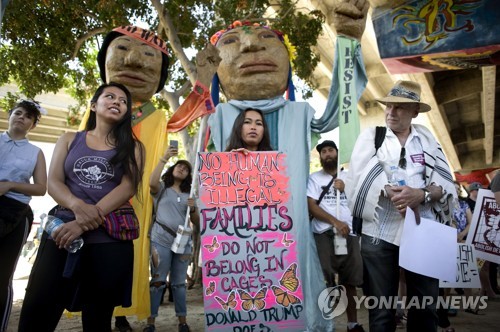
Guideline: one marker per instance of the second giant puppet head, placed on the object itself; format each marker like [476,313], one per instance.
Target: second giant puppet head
[136,58]
[255,61]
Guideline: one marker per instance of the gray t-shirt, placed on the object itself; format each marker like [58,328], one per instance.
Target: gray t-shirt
[170,212]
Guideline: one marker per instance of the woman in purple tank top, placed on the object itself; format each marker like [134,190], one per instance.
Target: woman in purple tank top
[92,174]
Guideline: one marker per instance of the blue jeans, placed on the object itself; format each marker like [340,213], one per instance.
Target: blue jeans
[381,278]
[163,261]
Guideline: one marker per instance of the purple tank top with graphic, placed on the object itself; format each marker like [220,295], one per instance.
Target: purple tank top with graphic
[89,173]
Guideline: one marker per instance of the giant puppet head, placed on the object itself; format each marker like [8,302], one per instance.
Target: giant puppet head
[136,58]
[255,61]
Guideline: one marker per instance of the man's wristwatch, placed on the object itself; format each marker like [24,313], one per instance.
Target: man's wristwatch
[427,196]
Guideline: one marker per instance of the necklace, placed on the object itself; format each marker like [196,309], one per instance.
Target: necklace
[178,195]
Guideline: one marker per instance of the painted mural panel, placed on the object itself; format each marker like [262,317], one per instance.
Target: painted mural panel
[433,35]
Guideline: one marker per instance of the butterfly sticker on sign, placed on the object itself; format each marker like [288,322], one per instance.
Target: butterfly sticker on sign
[290,282]
[286,241]
[230,303]
[210,289]
[250,302]
[212,247]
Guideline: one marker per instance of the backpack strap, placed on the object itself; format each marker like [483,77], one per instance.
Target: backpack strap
[357,223]
[323,193]
[156,202]
[379,137]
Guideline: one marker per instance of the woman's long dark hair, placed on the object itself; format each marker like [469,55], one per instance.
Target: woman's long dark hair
[235,140]
[168,176]
[125,139]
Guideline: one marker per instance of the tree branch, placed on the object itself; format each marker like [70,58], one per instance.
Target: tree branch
[184,88]
[175,43]
[83,38]
[252,10]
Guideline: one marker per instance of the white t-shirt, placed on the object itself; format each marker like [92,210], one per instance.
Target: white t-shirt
[316,181]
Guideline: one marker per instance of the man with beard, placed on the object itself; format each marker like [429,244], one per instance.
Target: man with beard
[326,217]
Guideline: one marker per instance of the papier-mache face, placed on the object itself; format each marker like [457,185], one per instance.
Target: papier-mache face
[255,63]
[135,64]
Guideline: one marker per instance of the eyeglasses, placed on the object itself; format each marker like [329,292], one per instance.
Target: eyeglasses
[402,159]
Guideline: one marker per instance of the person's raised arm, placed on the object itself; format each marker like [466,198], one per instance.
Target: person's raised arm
[346,17]
[154,178]
[207,62]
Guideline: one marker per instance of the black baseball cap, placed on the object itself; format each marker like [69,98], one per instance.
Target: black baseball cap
[326,143]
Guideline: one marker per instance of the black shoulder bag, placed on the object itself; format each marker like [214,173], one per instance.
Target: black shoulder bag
[323,193]
[165,228]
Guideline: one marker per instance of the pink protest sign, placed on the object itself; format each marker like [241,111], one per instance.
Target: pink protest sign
[250,268]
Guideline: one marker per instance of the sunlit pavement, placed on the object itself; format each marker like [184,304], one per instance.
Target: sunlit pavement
[488,320]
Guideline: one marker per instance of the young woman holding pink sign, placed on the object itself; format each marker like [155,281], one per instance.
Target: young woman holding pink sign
[249,133]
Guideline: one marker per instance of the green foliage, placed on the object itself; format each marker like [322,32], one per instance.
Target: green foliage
[40,42]
[8,102]
[48,45]
[314,164]
[303,31]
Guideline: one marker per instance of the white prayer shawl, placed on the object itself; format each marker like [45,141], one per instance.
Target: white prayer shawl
[366,178]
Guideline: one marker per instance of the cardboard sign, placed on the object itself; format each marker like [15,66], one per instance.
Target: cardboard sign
[467,271]
[484,232]
[250,270]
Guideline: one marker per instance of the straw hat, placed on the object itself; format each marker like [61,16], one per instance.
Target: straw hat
[405,92]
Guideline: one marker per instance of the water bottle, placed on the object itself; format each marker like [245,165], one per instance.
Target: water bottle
[54,223]
[398,176]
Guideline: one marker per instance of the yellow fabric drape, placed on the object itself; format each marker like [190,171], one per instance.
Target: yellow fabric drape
[151,132]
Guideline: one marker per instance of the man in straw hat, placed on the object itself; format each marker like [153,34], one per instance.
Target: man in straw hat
[428,191]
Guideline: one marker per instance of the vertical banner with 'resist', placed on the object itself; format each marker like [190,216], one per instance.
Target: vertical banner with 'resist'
[348,100]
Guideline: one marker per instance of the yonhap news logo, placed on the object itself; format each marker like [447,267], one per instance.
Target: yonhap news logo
[332,302]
